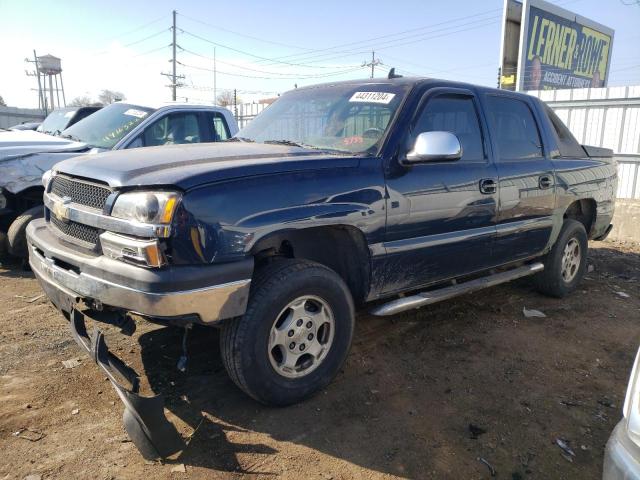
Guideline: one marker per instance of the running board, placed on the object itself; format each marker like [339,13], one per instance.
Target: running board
[445,293]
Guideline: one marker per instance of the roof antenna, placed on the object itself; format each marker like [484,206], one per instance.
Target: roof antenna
[393,74]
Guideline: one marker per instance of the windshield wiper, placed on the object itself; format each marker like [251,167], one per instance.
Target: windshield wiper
[239,139]
[72,137]
[289,143]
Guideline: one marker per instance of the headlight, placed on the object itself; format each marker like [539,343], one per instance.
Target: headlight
[631,408]
[46,178]
[146,207]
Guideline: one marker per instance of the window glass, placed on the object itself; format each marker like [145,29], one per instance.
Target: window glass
[342,117]
[513,128]
[455,114]
[567,143]
[177,128]
[219,127]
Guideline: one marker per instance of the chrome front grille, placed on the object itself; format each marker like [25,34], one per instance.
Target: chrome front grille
[81,192]
[77,231]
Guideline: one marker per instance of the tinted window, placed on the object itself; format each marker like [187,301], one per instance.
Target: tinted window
[219,127]
[513,128]
[455,114]
[567,144]
[177,128]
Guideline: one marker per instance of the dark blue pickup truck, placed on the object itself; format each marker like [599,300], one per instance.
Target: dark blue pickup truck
[401,192]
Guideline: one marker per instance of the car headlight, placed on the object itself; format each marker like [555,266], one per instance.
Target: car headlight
[631,408]
[146,207]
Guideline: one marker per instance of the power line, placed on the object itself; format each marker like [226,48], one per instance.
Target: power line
[284,74]
[245,52]
[243,34]
[303,76]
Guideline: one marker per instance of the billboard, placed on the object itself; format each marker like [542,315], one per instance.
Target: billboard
[545,47]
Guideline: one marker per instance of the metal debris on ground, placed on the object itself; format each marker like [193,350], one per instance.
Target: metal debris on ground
[622,294]
[75,411]
[532,313]
[29,434]
[71,363]
[489,466]
[476,431]
[568,451]
[180,468]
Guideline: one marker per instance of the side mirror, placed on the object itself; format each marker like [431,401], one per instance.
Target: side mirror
[434,147]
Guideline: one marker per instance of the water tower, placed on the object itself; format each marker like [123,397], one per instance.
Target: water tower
[48,71]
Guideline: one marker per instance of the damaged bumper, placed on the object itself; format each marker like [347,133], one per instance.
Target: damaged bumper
[204,294]
[71,277]
[143,417]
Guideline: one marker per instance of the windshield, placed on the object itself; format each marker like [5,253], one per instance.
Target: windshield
[56,121]
[106,127]
[345,118]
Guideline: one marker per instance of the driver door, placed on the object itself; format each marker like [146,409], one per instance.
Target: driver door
[441,217]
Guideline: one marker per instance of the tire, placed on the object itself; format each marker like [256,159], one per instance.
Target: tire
[17,234]
[4,247]
[259,369]
[554,280]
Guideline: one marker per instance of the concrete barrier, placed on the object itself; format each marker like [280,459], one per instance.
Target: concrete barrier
[626,221]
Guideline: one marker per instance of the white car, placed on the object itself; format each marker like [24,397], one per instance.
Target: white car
[622,454]
[26,155]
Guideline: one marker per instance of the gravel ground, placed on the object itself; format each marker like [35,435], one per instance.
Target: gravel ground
[442,392]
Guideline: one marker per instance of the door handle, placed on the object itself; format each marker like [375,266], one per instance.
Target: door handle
[488,186]
[544,182]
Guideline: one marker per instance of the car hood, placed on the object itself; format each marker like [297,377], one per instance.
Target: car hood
[14,143]
[188,166]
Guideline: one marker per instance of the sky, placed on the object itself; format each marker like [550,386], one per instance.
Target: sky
[264,48]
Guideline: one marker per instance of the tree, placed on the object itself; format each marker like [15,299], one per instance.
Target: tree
[2,104]
[83,101]
[225,99]
[107,97]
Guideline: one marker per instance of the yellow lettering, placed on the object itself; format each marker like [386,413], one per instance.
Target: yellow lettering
[548,46]
[532,38]
[541,35]
[571,47]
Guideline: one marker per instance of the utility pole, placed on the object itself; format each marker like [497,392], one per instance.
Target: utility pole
[235,103]
[215,94]
[373,63]
[173,75]
[174,56]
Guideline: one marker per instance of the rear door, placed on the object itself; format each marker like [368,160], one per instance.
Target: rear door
[441,215]
[526,178]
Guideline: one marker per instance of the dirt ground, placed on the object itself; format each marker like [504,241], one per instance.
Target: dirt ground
[401,407]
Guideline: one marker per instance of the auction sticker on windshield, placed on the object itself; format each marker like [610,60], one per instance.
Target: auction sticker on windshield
[372,97]
[132,112]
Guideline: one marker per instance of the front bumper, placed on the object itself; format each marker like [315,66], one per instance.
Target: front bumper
[621,456]
[143,417]
[204,294]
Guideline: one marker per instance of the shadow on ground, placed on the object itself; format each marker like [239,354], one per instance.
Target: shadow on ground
[414,383]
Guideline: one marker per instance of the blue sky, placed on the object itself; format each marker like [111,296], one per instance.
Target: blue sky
[123,45]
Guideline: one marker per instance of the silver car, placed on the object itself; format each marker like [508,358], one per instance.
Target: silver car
[622,454]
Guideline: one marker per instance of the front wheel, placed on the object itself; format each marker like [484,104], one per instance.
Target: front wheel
[566,263]
[17,234]
[294,336]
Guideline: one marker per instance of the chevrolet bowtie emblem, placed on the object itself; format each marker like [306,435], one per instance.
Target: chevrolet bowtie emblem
[61,210]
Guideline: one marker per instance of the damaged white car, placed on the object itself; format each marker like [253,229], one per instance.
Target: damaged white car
[26,155]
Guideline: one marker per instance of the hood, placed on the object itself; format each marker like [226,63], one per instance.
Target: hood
[15,143]
[188,166]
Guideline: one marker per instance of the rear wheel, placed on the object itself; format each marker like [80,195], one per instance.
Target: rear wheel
[565,264]
[17,234]
[294,336]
